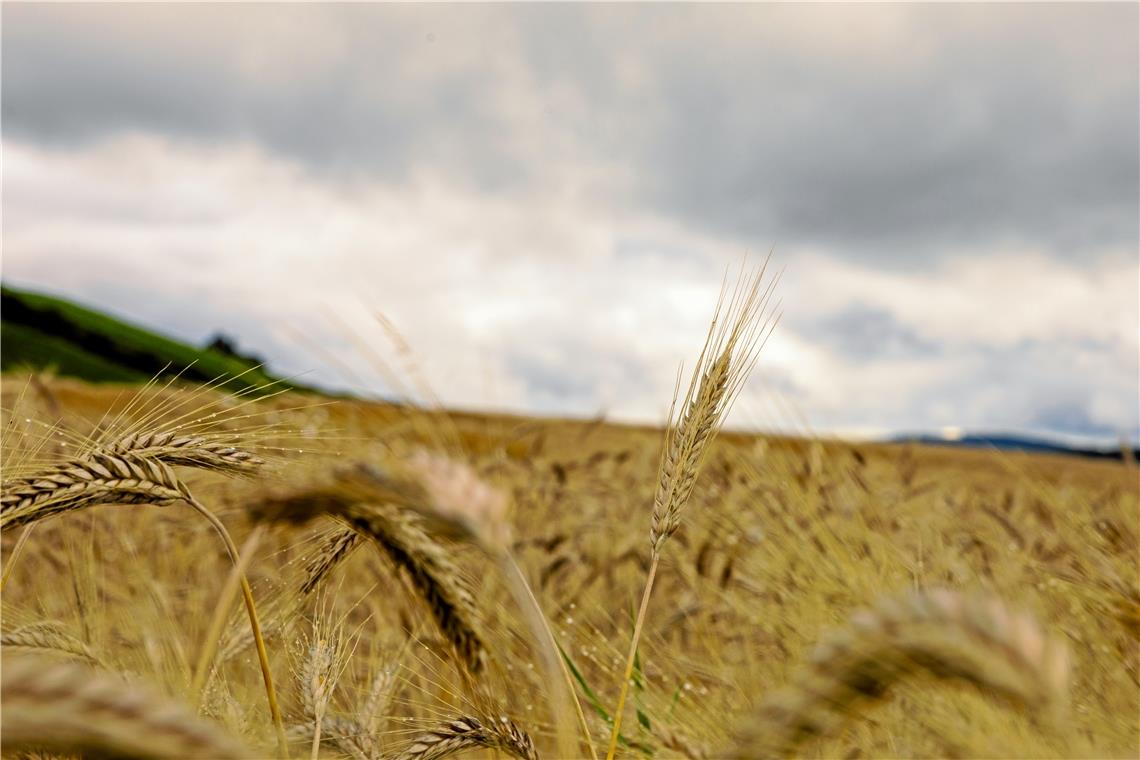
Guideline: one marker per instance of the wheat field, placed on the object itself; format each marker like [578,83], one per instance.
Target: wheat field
[423,584]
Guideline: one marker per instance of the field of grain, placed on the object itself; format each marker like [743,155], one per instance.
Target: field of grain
[428,584]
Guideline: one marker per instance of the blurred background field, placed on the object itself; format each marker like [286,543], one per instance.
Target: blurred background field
[784,540]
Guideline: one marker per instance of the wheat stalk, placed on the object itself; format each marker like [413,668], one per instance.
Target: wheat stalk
[65,708]
[400,533]
[675,741]
[47,637]
[347,735]
[730,351]
[466,733]
[96,478]
[943,633]
[200,451]
[334,549]
[127,477]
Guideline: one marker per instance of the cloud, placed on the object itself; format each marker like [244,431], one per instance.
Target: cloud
[293,265]
[863,333]
[935,128]
[544,198]
[977,128]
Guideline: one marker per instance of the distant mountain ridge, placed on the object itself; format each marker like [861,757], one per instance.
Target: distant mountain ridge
[1017,442]
[38,331]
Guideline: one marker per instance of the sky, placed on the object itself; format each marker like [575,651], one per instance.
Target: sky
[543,200]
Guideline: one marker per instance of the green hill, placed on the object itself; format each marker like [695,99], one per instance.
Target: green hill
[40,331]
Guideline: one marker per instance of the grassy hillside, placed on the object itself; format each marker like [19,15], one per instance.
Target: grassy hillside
[41,331]
[27,348]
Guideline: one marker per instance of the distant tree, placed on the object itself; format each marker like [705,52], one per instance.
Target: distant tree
[223,344]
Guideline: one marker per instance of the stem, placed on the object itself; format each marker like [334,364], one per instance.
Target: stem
[616,731]
[11,565]
[254,625]
[542,633]
[221,612]
[315,751]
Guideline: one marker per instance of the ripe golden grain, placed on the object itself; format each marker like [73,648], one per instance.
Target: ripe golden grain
[466,732]
[401,535]
[945,634]
[66,708]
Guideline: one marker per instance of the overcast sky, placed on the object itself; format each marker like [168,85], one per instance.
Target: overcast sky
[543,199]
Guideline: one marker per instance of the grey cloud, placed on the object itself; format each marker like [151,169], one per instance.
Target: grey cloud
[549,383]
[73,75]
[576,374]
[862,333]
[991,139]
[1075,418]
[975,124]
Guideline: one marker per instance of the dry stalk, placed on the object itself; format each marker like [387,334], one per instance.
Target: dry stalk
[221,610]
[47,637]
[345,734]
[447,496]
[254,623]
[730,351]
[65,708]
[400,533]
[98,478]
[335,548]
[127,477]
[943,633]
[675,741]
[466,733]
[200,451]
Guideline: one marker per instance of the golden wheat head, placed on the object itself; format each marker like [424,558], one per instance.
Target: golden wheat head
[97,478]
[942,633]
[66,708]
[47,637]
[466,732]
[402,535]
[730,351]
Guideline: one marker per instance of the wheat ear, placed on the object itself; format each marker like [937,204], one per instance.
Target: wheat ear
[946,634]
[200,451]
[401,535]
[453,493]
[65,708]
[97,478]
[47,637]
[124,477]
[466,733]
[356,737]
[334,549]
[730,351]
[347,735]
